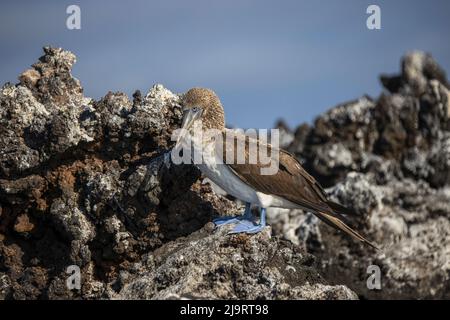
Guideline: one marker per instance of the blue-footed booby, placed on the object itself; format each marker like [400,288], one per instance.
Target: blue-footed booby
[290,186]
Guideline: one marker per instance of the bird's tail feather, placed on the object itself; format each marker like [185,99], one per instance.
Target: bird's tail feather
[338,208]
[337,222]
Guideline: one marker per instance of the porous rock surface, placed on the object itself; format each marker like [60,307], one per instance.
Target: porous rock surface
[214,265]
[389,161]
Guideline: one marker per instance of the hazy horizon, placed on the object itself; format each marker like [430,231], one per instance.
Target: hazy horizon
[267,60]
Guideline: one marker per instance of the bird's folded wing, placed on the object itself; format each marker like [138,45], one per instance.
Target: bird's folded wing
[290,181]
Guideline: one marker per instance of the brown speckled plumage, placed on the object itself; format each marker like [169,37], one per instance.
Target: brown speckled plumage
[213,114]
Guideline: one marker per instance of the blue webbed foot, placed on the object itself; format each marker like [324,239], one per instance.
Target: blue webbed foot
[226,220]
[230,220]
[248,226]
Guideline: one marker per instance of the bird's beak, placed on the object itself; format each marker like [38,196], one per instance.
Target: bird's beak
[189,117]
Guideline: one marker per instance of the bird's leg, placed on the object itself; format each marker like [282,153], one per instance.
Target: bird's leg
[227,220]
[248,226]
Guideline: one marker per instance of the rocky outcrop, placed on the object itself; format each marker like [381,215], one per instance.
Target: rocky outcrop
[82,182]
[387,160]
[86,183]
[214,265]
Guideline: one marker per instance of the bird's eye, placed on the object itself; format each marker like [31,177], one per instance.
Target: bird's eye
[195,109]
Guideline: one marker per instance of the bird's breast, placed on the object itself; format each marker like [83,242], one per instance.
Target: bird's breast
[213,168]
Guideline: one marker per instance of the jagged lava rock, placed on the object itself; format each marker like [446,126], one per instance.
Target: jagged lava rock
[83,182]
[214,265]
[397,183]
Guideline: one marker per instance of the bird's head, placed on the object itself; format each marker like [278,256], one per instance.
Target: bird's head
[200,104]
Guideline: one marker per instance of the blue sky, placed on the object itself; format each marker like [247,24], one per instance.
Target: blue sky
[265,59]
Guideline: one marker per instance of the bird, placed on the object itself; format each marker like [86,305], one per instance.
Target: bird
[290,187]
